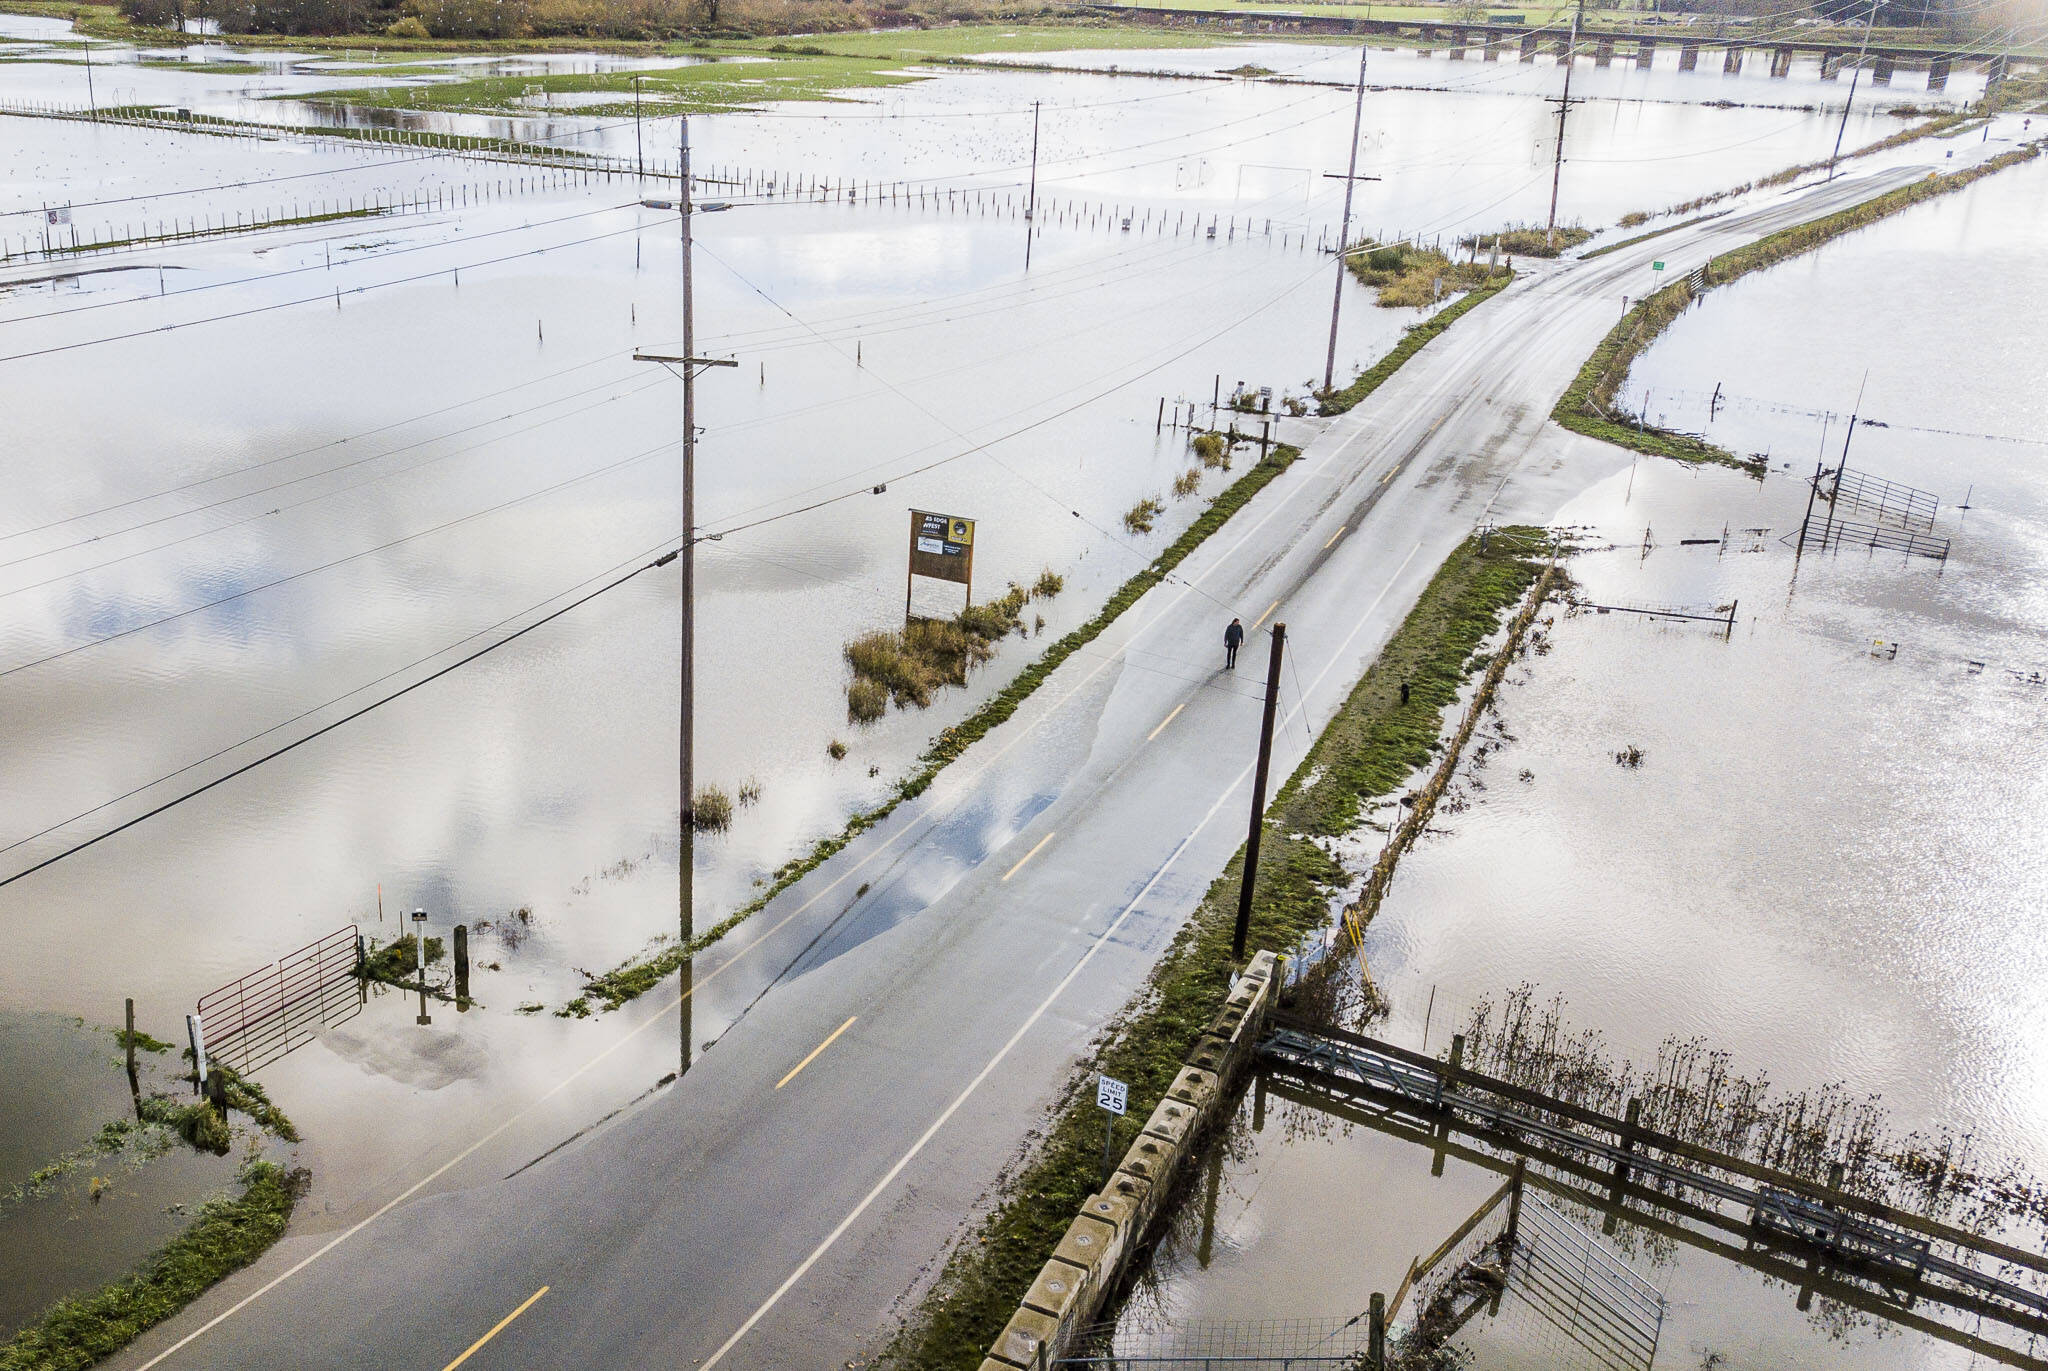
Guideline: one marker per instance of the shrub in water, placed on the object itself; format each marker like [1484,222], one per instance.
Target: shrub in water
[712,813]
[866,700]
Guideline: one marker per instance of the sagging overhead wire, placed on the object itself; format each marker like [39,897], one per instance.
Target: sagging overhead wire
[1017,431]
[385,546]
[325,266]
[634,386]
[274,754]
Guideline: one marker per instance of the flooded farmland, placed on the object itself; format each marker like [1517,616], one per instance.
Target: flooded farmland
[282,472]
[1819,858]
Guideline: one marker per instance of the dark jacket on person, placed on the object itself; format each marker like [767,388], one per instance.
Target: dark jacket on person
[1233,635]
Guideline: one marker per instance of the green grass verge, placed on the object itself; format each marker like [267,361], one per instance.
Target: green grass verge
[709,88]
[1646,237]
[636,978]
[1413,341]
[229,1233]
[1586,405]
[1369,749]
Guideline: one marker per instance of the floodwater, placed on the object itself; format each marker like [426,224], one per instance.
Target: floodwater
[260,480]
[73,1214]
[1828,860]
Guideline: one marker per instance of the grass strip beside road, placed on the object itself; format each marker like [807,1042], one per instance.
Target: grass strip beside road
[229,1234]
[1413,341]
[1369,749]
[1586,405]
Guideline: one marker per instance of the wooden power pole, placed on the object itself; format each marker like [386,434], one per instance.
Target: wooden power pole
[1251,845]
[690,364]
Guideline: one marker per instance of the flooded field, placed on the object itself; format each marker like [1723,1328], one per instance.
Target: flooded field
[1820,862]
[281,473]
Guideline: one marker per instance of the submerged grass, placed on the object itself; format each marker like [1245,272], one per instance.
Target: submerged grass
[911,663]
[635,978]
[229,1233]
[1526,240]
[1367,750]
[1587,404]
[1411,277]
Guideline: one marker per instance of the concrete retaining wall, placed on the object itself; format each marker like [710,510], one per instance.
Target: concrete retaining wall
[1110,1230]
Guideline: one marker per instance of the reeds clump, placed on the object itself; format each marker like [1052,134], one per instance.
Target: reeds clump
[1138,518]
[866,700]
[1212,450]
[1526,240]
[712,811]
[836,750]
[1406,276]
[907,665]
[749,792]
[1048,584]
[1187,483]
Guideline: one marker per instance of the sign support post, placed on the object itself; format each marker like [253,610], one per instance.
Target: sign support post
[1112,1097]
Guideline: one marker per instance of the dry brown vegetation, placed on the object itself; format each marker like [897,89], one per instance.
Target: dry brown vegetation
[908,664]
[1526,240]
[1407,276]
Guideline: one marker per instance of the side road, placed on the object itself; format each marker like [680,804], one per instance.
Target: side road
[769,1207]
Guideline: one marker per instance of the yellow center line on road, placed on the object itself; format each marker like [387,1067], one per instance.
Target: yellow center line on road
[1335,536]
[496,1329]
[814,1052]
[1027,857]
[1167,720]
[1262,618]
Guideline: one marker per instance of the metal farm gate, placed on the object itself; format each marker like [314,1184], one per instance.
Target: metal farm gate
[252,1021]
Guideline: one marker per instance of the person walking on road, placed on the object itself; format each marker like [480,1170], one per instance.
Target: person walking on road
[1233,638]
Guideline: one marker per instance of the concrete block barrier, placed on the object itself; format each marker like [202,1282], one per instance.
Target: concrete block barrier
[1097,1248]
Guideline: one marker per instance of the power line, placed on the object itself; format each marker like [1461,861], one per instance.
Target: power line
[322,298]
[324,266]
[1027,427]
[339,561]
[313,499]
[300,742]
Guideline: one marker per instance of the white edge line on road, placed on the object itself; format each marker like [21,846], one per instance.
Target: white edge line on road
[462,1156]
[1101,940]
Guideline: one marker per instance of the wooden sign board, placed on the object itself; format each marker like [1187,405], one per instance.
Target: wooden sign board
[942,547]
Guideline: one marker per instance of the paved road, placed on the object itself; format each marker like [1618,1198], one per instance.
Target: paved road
[770,1207]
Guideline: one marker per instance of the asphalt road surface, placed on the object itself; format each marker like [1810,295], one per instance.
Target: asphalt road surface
[772,1207]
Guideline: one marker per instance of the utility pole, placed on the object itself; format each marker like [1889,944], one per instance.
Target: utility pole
[639,165]
[1854,77]
[1344,233]
[1251,845]
[1564,104]
[92,101]
[691,364]
[1031,198]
